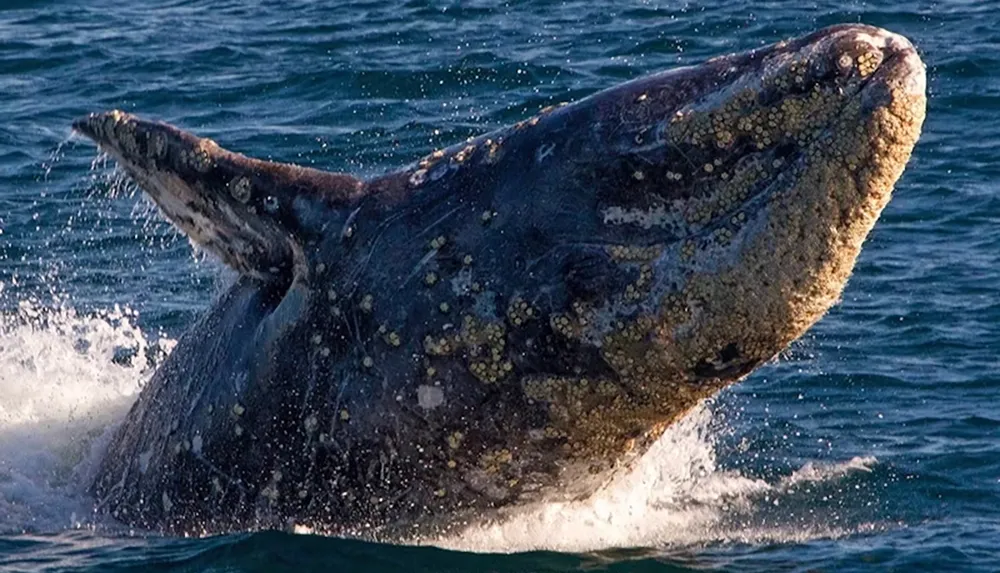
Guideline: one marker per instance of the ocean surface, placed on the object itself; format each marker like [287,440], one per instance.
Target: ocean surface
[872,444]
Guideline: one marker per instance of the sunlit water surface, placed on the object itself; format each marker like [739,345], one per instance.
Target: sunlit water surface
[874,443]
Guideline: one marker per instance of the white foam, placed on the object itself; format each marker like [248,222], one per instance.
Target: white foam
[65,378]
[676,496]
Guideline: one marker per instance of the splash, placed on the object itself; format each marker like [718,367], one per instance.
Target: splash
[65,379]
[676,496]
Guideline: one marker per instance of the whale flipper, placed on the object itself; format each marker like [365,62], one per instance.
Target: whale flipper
[253,214]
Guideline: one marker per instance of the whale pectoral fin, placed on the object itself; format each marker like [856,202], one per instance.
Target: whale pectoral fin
[250,212]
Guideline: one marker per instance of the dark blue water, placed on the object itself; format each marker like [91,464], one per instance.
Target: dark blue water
[873,444]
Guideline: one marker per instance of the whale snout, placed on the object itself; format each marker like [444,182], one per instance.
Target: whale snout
[883,65]
[905,66]
[888,58]
[795,151]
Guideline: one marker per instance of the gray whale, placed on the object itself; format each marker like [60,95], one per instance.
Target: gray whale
[515,318]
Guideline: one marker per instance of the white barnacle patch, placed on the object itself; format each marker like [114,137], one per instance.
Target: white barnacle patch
[367,303]
[310,424]
[238,409]
[270,492]
[464,154]
[658,216]
[144,458]
[429,397]
[544,151]
[167,504]
[461,283]
[200,158]
[418,178]
[126,139]
[197,443]
[111,120]
[157,146]
[240,189]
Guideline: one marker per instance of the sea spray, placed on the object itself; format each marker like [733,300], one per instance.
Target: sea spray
[676,496]
[65,379]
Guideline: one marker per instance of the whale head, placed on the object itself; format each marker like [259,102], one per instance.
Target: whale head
[764,172]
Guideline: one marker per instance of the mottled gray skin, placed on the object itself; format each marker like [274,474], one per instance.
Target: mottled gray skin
[511,320]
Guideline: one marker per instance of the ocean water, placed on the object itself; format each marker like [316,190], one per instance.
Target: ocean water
[872,444]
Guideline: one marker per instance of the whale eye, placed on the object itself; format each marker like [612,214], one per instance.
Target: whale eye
[271,204]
